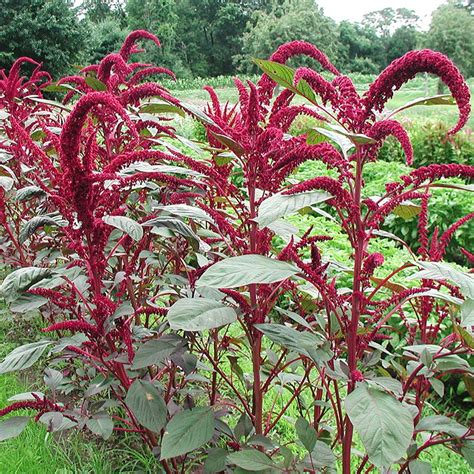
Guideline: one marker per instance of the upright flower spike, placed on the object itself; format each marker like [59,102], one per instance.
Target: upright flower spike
[407,67]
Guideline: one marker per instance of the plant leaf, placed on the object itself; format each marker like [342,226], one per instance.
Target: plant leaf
[442,424]
[245,270]
[251,460]
[33,224]
[305,343]
[12,427]
[383,423]
[283,75]
[95,84]
[306,433]
[441,99]
[127,225]
[20,280]
[101,425]
[443,271]
[280,205]
[199,314]
[24,356]
[147,405]
[187,431]
[155,351]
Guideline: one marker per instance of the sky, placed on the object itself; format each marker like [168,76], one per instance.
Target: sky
[354,10]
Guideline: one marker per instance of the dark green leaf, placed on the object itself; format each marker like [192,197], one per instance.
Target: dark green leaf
[20,280]
[441,424]
[251,460]
[306,433]
[95,84]
[156,351]
[215,461]
[147,405]
[385,425]
[280,205]
[33,225]
[187,431]
[101,425]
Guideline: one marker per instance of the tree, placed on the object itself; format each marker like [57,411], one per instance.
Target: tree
[100,10]
[210,33]
[160,18]
[360,48]
[385,21]
[452,32]
[287,21]
[48,31]
[403,39]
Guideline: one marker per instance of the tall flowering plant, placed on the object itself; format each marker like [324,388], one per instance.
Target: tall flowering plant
[189,312]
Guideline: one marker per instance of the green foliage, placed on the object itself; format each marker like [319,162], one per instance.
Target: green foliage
[452,33]
[287,21]
[104,36]
[45,31]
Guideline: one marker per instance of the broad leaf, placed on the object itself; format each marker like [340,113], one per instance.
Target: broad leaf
[441,424]
[199,314]
[280,205]
[29,192]
[231,144]
[407,210]
[420,467]
[246,270]
[160,108]
[56,421]
[187,431]
[441,99]
[306,433]
[127,225]
[215,461]
[12,427]
[467,313]
[6,182]
[24,356]
[444,271]
[21,280]
[314,137]
[95,84]
[101,425]
[385,425]
[251,460]
[356,138]
[147,405]
[283,75]
[304,343]
[34,224]
[156,351]
[176,226]
[184,210]
[322,455]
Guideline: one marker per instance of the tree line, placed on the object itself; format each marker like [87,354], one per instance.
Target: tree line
[220,37]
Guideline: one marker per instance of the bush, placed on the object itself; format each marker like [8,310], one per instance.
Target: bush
[431,144]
